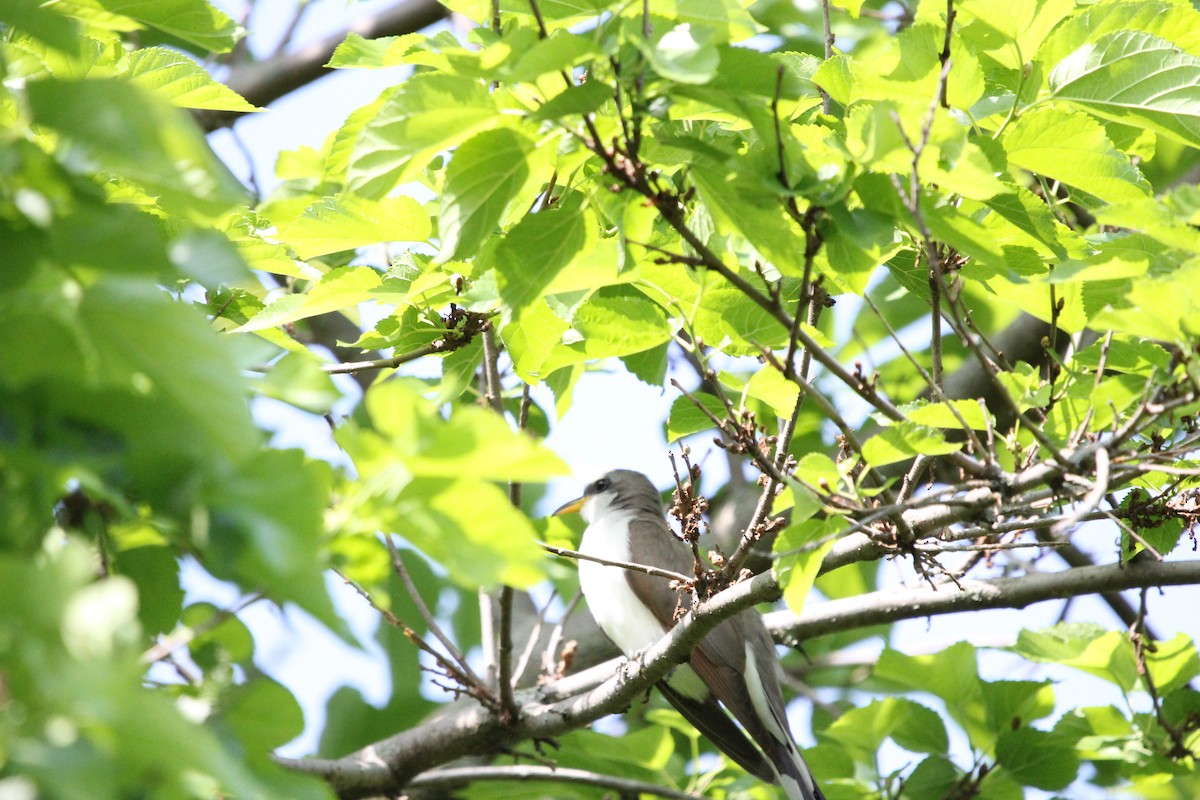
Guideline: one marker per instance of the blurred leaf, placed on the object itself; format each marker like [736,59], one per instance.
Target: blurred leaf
[262,713]
[338,289]
[110,126]
[346,221]
[43,22]
[297,379]
[197,22]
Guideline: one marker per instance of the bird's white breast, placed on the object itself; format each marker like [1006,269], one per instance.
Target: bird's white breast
[618,611]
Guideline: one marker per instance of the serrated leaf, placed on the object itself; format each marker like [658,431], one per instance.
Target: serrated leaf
[536,250]
[384,51]
[1105,654]
[340,288]
[484,175]
[940,415]
[198,22]
[685,418]
[177,78]
[1137,79]
[903,441]
[428,113]
[1072,147]
[346,221]
[1036,758]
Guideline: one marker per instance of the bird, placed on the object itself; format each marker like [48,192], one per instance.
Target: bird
[734,667]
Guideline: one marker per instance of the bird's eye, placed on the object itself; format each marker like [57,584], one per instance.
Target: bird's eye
[601,485]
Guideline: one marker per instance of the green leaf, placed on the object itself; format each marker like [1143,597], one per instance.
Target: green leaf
[536,250]
[1011,704]
[911,725]
[297,379]
[110,126]
[218,638]
[1024,23]
[267,526]
[1159,307]
[346,221]
[532,339]
[1105,654]
[1173,663]
[1137,79]
[197,22]
[940,415]
[684,54]
[175,77]
[905,440]
[43,23]
[1036,758]
[1130,355]
[1175,21]
[685,419]
[338,289]
[155,572]
[742,208]
[855,243]
[584,98]
[769,386]
[800,548]
[484,176]
[951,675]
[472,442]
[429,113]
[262,713]
[383,51]
[1073,148]
[614,321]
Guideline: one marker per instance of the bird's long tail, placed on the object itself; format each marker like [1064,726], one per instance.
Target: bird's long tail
[776,741]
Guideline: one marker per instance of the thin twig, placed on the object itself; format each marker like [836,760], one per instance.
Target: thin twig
[655,571]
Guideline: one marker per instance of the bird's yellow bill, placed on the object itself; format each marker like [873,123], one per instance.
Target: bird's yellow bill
[572,507]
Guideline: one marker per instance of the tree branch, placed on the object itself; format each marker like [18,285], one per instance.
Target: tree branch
[880,608]
[456,776]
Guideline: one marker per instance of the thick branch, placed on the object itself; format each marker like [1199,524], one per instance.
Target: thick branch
[457,776]
[577,700]
[391,763]
[975,595]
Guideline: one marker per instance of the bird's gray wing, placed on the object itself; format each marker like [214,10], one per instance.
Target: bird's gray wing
[669,553]
[707,715]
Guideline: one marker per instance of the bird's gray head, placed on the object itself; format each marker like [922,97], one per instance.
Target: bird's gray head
[621,490]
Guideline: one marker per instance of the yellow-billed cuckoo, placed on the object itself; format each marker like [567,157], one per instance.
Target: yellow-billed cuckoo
[736,662]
